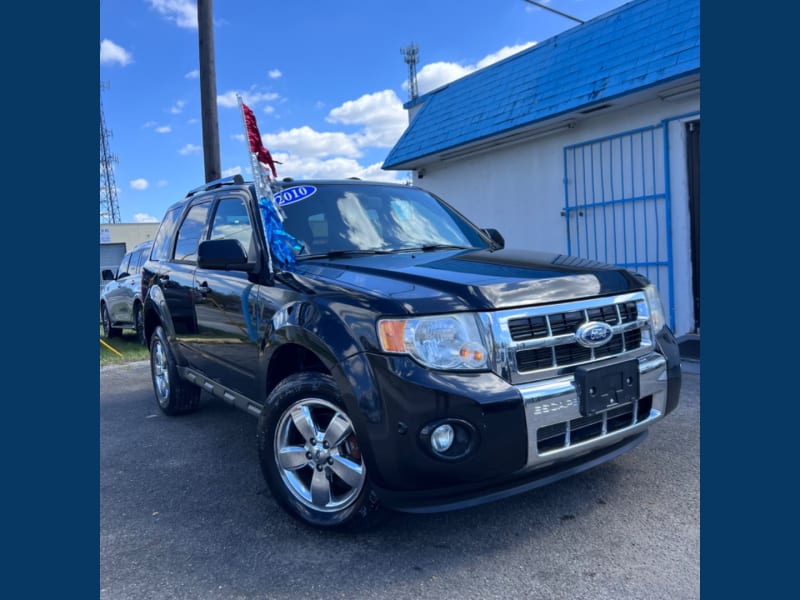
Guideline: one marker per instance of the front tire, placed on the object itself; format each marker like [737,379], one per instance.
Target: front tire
[109,331]
[310,456]
[175,396]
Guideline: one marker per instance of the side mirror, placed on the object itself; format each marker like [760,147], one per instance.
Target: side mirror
[107,275]
[223,255]
[497,238]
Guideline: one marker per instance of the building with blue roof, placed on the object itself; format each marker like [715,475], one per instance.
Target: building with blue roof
[586,144]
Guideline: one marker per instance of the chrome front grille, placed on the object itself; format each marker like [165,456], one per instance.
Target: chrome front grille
[538,342]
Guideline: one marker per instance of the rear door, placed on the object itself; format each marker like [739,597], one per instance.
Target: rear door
[116,291]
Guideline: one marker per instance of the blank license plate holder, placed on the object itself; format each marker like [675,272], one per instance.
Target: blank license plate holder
[603,388]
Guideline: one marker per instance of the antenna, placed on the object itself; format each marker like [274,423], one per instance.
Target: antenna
[411,55]
[553,10]
[109,209]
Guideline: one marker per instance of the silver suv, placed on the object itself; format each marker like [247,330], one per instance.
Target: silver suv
[121,297]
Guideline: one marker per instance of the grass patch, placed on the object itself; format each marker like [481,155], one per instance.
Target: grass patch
[126,344]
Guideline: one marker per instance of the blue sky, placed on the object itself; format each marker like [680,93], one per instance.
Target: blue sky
[326,81]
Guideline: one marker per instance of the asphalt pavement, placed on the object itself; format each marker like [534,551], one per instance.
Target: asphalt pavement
[185,514]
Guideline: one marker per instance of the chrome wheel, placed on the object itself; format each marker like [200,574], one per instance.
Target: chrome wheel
[160,367]
[317,455]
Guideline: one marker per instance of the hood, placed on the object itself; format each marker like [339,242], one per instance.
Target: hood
[445,281]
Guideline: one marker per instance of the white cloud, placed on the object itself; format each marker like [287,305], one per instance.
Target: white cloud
[228,99]
[381,114]
[144,218]
[177,108]
[334,168]
[190,149]
[435,75]
[237,170]
[162,183]
[139,184]
[308,142]
[504,52]
[163,129]
[275,74]
[269,110]
[193,74]
[110,53]
[181,12]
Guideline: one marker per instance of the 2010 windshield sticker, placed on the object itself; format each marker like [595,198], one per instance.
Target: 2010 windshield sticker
[294,194]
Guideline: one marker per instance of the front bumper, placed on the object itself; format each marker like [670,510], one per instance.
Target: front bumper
[529,435]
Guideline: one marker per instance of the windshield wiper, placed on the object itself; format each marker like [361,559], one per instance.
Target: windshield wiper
[343,253]
[432,247]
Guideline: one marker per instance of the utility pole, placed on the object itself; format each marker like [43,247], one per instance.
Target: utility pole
[208,90]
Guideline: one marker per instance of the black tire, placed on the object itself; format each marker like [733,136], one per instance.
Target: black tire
[138,324]
[174,396]
[323,484]
[108,331]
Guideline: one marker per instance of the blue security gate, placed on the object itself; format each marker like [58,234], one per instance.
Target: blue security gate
[617,204]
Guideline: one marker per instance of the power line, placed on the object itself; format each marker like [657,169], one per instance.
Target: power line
[555,11]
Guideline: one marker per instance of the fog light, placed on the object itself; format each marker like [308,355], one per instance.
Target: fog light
[442,438]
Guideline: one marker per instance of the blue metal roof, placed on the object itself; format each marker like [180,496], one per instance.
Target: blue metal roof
[638,45]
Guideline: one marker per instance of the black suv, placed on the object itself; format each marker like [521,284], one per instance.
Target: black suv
[121,296]
[398,357]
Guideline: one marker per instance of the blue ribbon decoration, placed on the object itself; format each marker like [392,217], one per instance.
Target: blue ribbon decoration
[283,245]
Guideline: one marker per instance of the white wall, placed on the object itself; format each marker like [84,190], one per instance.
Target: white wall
[520,190]
[129,233]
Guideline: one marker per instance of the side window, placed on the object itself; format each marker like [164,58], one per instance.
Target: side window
[137,260]
[232,221]
[123,266]
[161,245]
[190,233]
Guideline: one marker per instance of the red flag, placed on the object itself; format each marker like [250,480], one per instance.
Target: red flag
[254,136]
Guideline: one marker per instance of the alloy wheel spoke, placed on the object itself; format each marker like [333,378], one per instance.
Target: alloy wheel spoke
[350,472]
[292,458]
[302,419]
[320,489]
[338,430]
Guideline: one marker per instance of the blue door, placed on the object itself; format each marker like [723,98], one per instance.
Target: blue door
[617,205]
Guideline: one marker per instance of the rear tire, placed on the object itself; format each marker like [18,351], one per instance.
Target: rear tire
[138,324]
[174,396]
[311,459]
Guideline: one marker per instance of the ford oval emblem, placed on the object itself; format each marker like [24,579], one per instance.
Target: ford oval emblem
[294,194]
[593,334]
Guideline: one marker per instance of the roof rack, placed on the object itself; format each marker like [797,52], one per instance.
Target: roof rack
[210,185]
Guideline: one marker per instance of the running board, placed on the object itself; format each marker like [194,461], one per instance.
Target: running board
[220,391]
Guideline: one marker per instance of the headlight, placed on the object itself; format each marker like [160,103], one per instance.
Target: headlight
[441,342]
[656,310]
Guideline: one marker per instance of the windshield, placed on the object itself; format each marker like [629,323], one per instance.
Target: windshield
[342,219]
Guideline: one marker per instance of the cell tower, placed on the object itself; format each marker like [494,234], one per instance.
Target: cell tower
[411,54]
[109,209]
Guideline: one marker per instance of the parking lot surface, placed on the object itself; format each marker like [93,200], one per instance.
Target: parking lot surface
[185,513]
